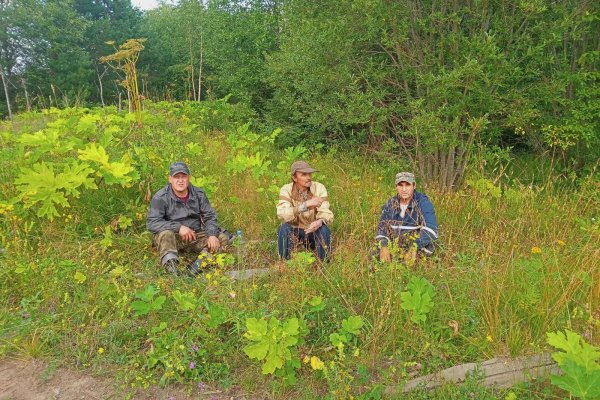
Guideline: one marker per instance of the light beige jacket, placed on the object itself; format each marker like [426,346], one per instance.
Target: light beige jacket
[287,208]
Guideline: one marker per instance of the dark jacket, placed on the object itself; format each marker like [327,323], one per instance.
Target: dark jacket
[419,218]
[167,212]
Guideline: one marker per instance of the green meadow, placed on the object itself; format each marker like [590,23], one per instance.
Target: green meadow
[80,284]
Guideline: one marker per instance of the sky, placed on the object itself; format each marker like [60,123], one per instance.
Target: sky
[145,4]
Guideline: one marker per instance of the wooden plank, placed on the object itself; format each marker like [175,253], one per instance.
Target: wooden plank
[245,274]
[500,372]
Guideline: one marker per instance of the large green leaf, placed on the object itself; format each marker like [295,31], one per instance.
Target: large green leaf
[418,298]
[353,324]
[272,341]
[578,380]
[575,349]
[41,185]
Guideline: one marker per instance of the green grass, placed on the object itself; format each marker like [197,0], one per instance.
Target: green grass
[510,268]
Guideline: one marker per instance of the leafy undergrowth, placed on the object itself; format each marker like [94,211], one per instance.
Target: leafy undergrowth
[80,282]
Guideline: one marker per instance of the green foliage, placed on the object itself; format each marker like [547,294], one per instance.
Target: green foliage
[316,304]
[485,188]
[302,260]
[418,298]
[579,362]
[107,240]
[121,173]
[273,341]
[147,302]
[185,301]
[350,327]
[529,270]
[249,151]
[41,185]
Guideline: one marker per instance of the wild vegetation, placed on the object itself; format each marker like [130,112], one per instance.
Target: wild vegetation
[494,104]
[80,281]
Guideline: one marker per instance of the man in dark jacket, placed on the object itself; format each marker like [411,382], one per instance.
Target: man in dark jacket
[408,215]
[182,219]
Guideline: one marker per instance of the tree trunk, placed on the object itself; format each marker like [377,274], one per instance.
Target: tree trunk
[26,95]
[129,100]
[448,181]
[199,97]
[6,94]
[54,92]
[101,88]
[193,81]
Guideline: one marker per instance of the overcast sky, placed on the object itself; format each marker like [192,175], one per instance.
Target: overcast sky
[145,4]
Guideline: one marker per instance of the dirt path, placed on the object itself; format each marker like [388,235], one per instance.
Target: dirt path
[35,380]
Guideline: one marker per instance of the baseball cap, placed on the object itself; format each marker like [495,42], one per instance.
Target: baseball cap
[179,167]
[302,166]
[405,177]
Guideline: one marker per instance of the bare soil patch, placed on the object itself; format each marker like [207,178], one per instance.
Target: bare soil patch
[37,380]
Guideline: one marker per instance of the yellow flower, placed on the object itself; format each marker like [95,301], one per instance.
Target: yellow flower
[536,250]
[5,208]
[489,338]
[306,359]
[101,350]
[316,363]
[561,242]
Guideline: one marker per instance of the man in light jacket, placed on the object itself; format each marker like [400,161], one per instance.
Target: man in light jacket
[303,209]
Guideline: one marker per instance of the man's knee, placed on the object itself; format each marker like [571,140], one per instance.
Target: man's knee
[166,244]
[224,240]
[324,233]
[284,230]
[164,237]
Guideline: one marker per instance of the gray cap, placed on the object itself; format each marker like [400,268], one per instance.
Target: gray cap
[179,167]
[302,166]
[405,177]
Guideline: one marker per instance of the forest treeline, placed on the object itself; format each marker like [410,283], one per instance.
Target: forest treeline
[433,80]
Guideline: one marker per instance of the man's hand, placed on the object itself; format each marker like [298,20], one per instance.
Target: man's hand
[213,243]
[385,255]
[187,234]
[315,202]
[314,226]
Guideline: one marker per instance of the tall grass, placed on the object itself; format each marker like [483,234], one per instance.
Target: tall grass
[509,267]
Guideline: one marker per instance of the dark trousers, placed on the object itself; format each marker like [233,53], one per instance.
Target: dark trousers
[288,236]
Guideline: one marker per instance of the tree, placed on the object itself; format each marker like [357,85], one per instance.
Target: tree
[439,78]
[226,40]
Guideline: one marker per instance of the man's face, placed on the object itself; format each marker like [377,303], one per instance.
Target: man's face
[303,179]
[179,182]
[405,190]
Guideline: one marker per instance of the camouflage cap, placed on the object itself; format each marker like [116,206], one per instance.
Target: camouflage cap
[302,166]
[405,177]
[179,167]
